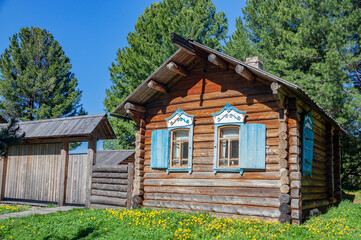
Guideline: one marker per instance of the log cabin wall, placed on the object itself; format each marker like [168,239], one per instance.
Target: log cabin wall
[318,190]
[207,90]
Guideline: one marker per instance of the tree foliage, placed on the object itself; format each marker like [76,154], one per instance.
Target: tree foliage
[36,81]
[315,44]
[150,45]
[9,135]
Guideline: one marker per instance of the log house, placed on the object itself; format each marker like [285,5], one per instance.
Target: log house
[219,135]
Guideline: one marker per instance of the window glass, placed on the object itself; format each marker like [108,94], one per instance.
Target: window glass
[180,148]
[230,132]
[228,146]
[181,135]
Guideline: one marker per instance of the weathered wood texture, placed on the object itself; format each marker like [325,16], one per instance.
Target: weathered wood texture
[205,91]
[319,191]
[294,161]
[76,180]
[112,185]
[33,172]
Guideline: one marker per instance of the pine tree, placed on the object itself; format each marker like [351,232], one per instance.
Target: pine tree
[150,45]
[9,136]
[36,81]
[314,44]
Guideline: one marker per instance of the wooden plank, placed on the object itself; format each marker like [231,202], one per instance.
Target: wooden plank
[92,147]
[130,184]
[64,158]
[3,168]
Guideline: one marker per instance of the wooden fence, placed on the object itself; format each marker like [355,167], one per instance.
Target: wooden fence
[112,185]
[76,179]
[32,172]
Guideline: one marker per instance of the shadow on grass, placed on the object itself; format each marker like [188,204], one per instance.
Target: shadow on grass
[348,196]
[82,233]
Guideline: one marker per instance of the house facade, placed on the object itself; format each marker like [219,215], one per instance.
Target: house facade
[219,135]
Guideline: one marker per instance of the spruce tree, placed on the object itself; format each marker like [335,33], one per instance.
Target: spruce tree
[36,81]
[150,45]
[314,44]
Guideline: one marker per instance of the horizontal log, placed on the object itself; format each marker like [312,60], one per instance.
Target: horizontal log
[211,175]
[265,202]
[313,182]
[213,106]
[214,208]
[216,191]
[241,70]
[314,204]
[313,189]
[134,107]
[177,68]
[157,86]
[108,201]
[173,98]
[314,196]
[109,193]
[111,187]
[102,206]
[112,175]
[110,181]
[212,183]
[218,61]
[117,168]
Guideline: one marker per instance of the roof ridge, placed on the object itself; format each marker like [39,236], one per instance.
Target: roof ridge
[62,118]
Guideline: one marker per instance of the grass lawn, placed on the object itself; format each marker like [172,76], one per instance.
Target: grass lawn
[342,222]
[9,208]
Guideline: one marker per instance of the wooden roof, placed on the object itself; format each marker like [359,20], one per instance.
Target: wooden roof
[112,157]
[79,126]
[187,55]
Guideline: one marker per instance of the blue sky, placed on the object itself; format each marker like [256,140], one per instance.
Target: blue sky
[90,33]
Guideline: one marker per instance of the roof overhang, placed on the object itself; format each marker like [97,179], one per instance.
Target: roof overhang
[188,52]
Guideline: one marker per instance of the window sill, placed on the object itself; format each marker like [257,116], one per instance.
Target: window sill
[189,170]
[232,170]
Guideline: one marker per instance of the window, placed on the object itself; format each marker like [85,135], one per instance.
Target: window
[307,144]
[237,145]
[180,148]
[228,152]
[172,149]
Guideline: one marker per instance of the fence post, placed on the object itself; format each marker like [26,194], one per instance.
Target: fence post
[3,167]
[92,148]
[64,158]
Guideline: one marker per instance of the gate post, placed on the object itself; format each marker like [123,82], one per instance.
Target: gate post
[92,149]
[64,158]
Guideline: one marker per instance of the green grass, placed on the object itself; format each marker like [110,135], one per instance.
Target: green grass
[9,208]
[342,222]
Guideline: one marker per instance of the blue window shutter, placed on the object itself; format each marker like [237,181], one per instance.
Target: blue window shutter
[253,146]
[160,148]
[307,144]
